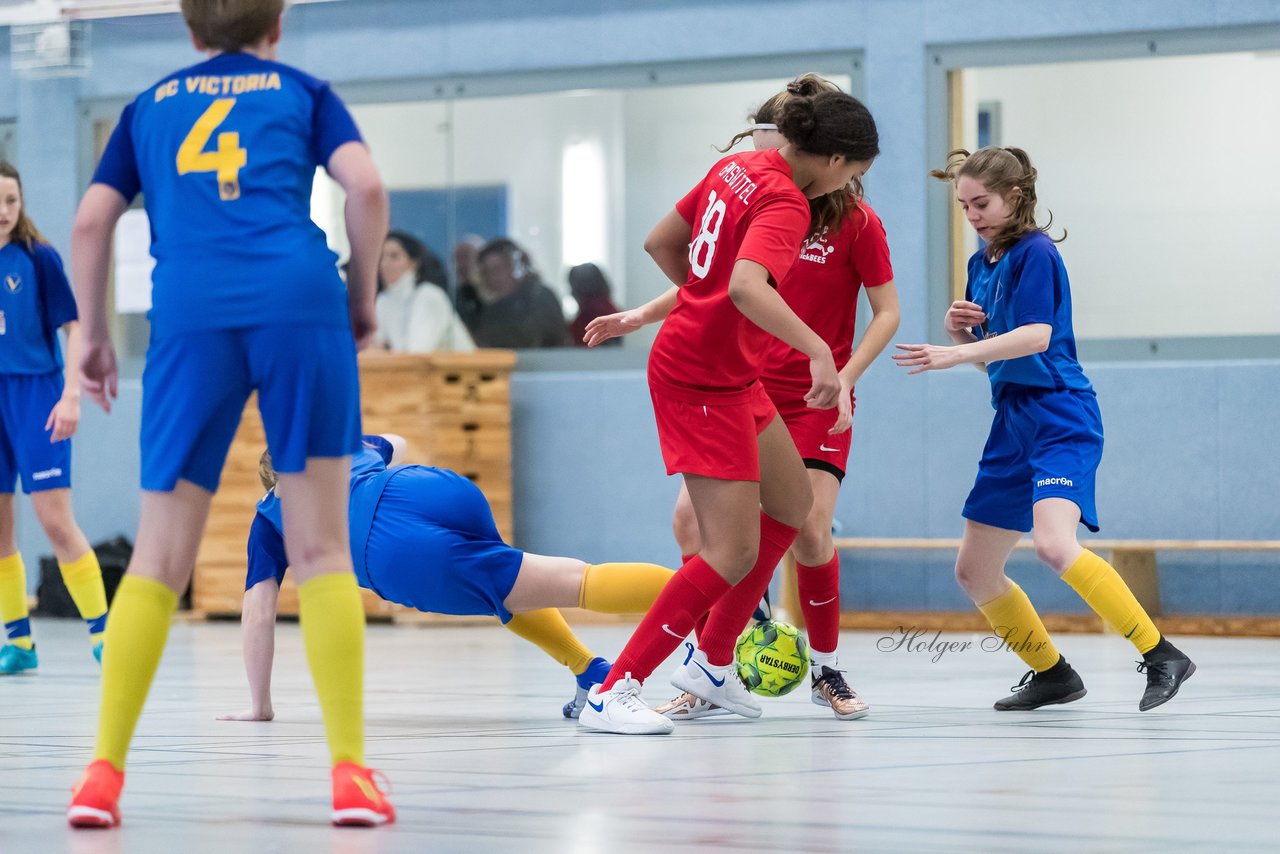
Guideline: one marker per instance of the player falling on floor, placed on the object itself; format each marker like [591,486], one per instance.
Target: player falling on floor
[39,412]
[425,538]
[848,251]
[246,296]
[1038,468]
[725,246]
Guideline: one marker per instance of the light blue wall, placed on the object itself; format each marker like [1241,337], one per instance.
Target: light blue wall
[1191,446]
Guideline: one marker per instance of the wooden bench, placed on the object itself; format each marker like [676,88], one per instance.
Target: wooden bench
[1135,560]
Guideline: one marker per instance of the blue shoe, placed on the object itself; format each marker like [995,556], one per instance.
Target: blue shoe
[97,652]
[595,673]
[15,659]
[764,610]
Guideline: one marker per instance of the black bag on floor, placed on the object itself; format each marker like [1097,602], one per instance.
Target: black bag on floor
[53,600]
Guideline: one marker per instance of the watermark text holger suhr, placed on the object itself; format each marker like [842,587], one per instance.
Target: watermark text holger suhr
[922,641]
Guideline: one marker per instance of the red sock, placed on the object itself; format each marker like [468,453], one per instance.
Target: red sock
[730,615]
[688,595]
[820,602]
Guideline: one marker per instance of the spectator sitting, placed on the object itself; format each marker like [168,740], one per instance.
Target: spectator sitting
[466,274]
[515,308]
[590,288]
[415,315]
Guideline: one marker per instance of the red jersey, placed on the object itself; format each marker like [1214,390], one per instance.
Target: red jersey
[822,289]
[747,208]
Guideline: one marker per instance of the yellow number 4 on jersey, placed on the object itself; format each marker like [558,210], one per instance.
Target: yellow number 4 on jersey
[227,160]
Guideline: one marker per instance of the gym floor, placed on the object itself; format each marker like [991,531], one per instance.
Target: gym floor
[465,722]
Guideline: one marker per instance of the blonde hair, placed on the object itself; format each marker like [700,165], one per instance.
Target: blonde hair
[24,230]
[266,472]
[231,25]
[1008,173]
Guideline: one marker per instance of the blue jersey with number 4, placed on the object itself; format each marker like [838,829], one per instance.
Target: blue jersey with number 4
[225,153]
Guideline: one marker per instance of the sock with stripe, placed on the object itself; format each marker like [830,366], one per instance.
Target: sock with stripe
[687,596]
[331,614]
[1102,588]
[819,588]
[83,578]
[13,601]
[1014,619]
[732,613]
[134,642]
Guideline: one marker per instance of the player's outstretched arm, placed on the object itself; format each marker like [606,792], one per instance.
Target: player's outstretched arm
[367,215]
[1026,340]
[258,623]
[100,210]
[607,326]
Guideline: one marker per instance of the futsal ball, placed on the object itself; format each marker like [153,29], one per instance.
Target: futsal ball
[772,658]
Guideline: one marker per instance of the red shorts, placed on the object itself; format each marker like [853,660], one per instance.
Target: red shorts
[712,439]
[808,428]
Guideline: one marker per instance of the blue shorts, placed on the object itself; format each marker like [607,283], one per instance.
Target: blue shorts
[195,386]
[433,546]
[25,403]
[1043,444]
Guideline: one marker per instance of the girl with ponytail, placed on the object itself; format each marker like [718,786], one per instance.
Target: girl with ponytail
[1038,469]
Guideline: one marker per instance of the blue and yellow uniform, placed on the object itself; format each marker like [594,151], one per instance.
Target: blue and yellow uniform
[35,300]
[421,537]
[1046,439]
[246,293]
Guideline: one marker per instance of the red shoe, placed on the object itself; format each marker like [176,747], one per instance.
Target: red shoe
[357,800]
[95,799]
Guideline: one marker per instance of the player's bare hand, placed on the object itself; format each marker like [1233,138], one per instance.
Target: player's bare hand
[826,388]
[926,357]
[364,324]
[250,715]
[607,326]
[99,374]
[64,418]
[964,315]
[844,407]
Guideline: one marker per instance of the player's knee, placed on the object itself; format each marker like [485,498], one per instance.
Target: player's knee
[813,544]
[1056,552]
[971,578]
[61,530]
[733,560]
[684,525]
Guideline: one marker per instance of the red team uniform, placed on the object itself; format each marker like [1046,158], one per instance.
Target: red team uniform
[704,365]
[822,289]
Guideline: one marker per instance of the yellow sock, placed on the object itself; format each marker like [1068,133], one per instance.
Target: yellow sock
[332,618]
[135,639]
[622,588]
[1102,588]
[1014,620]
[13,601]
[546,629]
[83,578]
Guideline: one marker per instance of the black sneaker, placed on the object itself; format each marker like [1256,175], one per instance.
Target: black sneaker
[1058,684]
[1167,667]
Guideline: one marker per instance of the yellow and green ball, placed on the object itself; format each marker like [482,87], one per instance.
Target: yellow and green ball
[772,658]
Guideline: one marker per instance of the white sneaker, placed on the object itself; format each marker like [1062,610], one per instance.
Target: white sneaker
[620,710]
[719,686]
[688,707]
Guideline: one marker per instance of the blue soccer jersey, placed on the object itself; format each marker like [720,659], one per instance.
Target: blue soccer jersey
[1028,285]
[266,536]
[35,299]
[225,153]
